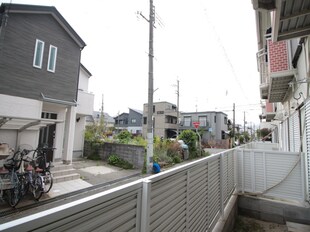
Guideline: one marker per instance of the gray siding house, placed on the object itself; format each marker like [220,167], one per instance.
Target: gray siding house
[40,53]
[131,121]
[39,73]
[135,121]
[121,122]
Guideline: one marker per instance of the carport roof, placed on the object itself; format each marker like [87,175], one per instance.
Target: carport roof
[20,124]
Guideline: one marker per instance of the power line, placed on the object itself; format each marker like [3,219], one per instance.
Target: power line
[159,20]
[225,53]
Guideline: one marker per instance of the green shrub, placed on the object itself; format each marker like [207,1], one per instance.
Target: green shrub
[176,159]
[190,138]
[124,136]
[95,147]
[119,162]
[138,140]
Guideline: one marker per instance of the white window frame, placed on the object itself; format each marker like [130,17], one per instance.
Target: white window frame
[202,120]
[36,54]
[187,120]
[50,59]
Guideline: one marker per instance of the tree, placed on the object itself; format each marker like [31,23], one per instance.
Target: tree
[190,139]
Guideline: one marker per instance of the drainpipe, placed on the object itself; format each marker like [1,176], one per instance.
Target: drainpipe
[3,23]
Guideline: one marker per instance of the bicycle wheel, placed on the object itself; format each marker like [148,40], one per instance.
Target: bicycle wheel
[48,181]
[24,185]
[37,189]
[14,194]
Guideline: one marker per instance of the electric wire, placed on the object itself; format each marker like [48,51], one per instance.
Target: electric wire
[224,51]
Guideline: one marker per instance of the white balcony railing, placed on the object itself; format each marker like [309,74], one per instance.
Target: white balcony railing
[85,103]
[191,197]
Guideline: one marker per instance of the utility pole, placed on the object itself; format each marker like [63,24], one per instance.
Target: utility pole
[149,154]
[244,122]
[102,127]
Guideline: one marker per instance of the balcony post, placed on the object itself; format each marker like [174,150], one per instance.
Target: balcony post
[303,173]
[222,184]
[187,199]
[145,206]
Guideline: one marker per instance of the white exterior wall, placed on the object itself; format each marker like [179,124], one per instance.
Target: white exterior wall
[23,108]
[9,137]
[29,137]
[69,132]
[134,130]
[79,137]
[20,107]
[85,100]
[85,103]
[83,80]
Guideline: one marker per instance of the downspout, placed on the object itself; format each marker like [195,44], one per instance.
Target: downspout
[3,24]
[306,49]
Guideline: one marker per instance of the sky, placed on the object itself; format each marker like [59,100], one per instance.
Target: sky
[208,46]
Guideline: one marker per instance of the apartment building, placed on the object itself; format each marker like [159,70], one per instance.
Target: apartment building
[164,119]
[283,64]
[213,124]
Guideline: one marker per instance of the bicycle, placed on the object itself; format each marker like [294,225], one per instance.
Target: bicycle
[37,175]
[10,185]
[43,167]
[30,180]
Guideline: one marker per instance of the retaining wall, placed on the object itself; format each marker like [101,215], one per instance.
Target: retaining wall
[132,153]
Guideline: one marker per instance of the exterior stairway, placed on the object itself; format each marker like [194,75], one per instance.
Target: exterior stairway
[63,172]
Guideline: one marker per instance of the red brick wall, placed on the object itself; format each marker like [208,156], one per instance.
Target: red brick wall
[278,56]
[269,107]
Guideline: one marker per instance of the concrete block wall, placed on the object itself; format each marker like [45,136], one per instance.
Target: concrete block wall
[132,153]
[278,56]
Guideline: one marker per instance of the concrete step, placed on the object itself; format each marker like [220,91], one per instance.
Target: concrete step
[60,166]
[73,176]
[63,172]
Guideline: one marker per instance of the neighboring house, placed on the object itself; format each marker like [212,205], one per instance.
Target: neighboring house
[39,73]
[135,121]
[214,124]
[121,122]
[107,119]
[283,61]
[131,122]
[164,119]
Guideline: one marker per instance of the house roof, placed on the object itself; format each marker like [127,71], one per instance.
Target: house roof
[37,9]
[121,115]
[138,111]
[96,114]
[86,70]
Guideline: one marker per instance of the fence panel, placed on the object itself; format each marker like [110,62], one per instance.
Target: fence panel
[113,210]
[271,173]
